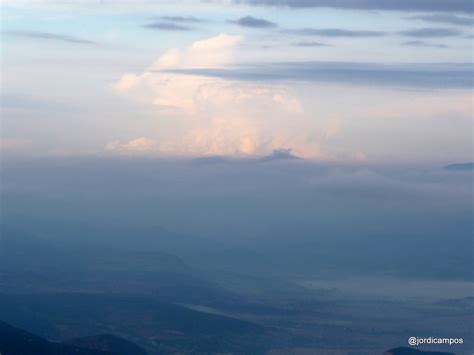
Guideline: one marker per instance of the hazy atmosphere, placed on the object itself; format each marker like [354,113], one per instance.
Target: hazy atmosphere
[236,177]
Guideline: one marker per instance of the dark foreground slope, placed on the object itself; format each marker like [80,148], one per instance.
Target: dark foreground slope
[108,343]
[158,327]
[14,341]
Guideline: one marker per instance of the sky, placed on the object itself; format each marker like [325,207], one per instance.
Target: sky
[352,81]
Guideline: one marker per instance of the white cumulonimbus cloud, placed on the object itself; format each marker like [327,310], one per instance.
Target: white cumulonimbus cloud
[217,116]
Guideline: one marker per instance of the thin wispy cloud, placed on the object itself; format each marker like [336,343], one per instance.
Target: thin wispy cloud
[449,19]
[311,44]
[334,32]
[186,19]
[254,22]
[431,32]
[419,43]
[167,26]
[429,76]
[465,6]
[37,35]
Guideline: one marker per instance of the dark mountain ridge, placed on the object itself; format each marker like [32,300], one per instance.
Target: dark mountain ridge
[15,341]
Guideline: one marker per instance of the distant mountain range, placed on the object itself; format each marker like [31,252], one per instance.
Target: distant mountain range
[32,264]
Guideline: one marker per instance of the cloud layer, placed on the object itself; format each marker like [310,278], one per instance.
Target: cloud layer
[465,6]
[431,32]
[167,26]
[419,43]
[449,19]
[335,32]
[437,76]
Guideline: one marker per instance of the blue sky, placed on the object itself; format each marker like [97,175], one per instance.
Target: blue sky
[238,78]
